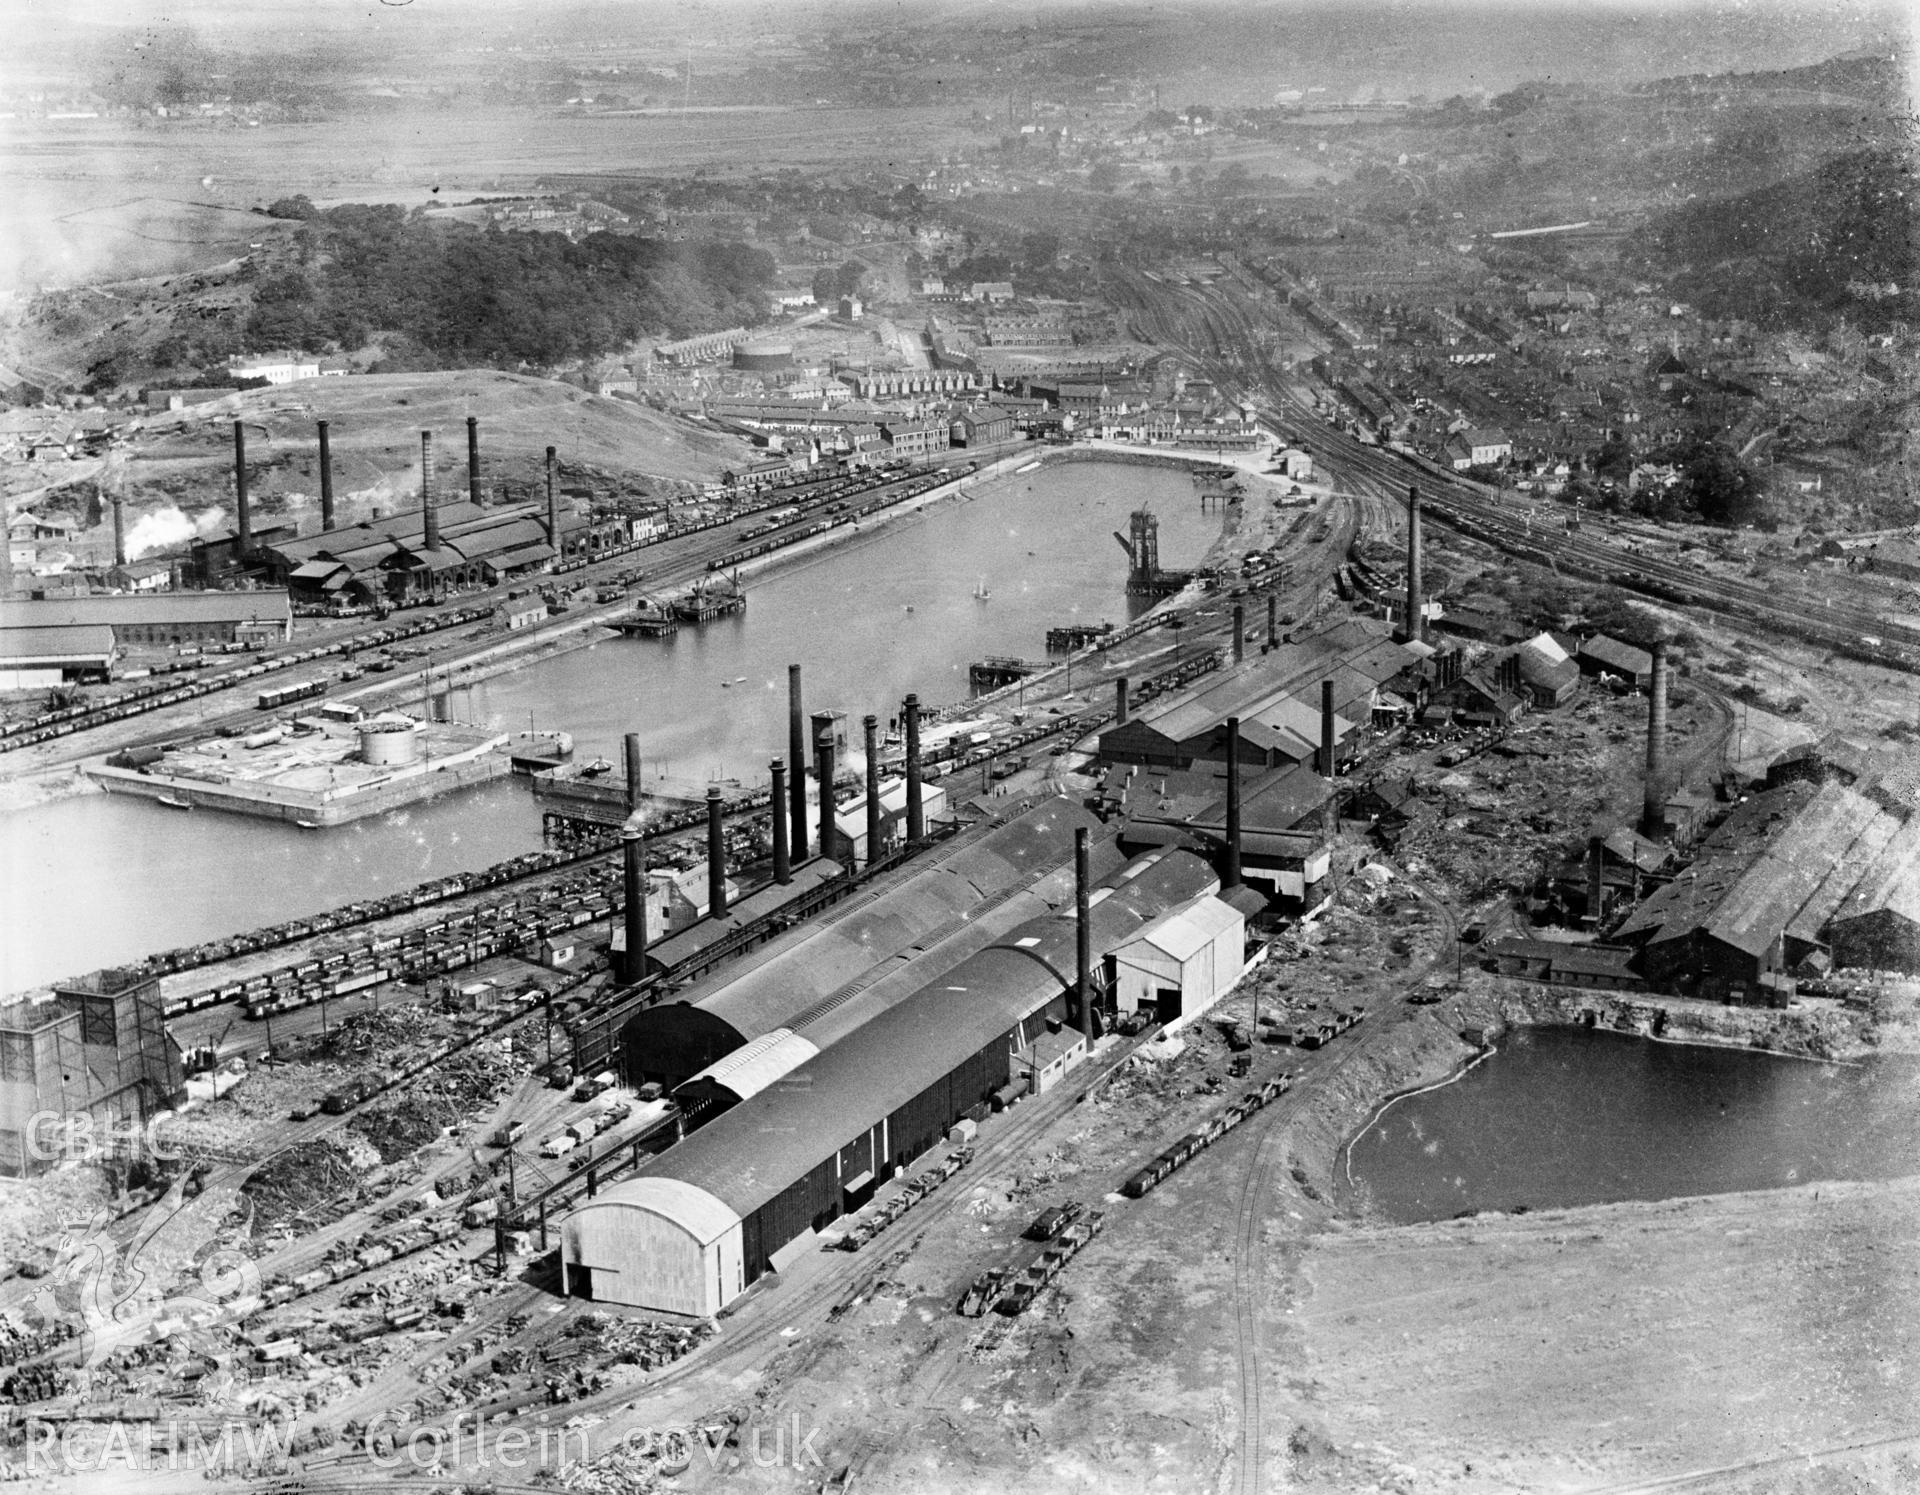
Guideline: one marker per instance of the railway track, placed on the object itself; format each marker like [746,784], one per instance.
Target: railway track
[1220,335]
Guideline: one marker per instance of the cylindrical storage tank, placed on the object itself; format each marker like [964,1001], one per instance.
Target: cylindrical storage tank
[389,744]
[763,355]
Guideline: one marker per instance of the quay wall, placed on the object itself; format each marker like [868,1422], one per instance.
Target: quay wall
[264,802]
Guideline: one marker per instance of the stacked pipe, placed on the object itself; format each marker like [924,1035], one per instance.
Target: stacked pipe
[429,513]
[243,515]
[473,461]
[872,725]
[916,808]
[1326,728]
[797,752]
[782,860]
[1083,932]
[716,855]
[824,770]
[1416,605]
[1230,877]
[326,480]
[1653,814]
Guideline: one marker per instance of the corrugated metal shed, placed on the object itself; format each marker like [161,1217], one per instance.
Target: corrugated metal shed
[752,1154]
[694,1209]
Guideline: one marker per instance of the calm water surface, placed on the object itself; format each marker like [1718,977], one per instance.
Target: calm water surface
[1560,1117]
[99,879]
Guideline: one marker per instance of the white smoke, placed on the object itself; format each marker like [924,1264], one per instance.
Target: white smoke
[168,529]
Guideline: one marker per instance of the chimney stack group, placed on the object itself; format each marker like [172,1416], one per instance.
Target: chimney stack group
[553,503]
[916,807]
[326,480]
[782,858]
[872,725]
[824,770]
[1083,931]
[797,754]
[716,855]
[243,518]
[473,461]
[1416,603]
[1230,877]
[429,512]
[1653,813]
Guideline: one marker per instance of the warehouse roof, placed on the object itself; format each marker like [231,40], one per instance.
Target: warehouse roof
[145,610]
[1183,932]
[695,1210]
[86,641]
[1614,655]
[765,1144]
[870,927]
[749,1070]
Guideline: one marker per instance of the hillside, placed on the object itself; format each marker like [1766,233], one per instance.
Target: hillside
[1834,242]
[175,471]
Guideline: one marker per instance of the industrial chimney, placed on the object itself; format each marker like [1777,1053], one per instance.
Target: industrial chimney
[1273,620]
[473,460]
[1120,688]
[553,504]
[1416,604]
[243,520]
[326,480]
[1596,884]
[872,725]
[119,531]
[782,859]
[633,847]
[824,769]
[1326,728]
[1653,815]
[429,514]
[1230,877]
[632,749]
[916,809]
[797,752]
[1239,632]
[1083,932]
[716,855]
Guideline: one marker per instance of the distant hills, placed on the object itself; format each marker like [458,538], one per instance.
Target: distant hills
[1834,241]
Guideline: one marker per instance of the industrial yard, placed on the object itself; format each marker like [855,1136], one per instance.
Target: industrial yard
[1118,752]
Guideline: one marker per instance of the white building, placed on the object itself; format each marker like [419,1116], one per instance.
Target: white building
[275,368]
[851,817]
[1183,962]
[654,1243]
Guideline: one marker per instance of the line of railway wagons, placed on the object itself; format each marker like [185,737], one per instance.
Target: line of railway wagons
[1146,1179]
[159,694]
[901,493]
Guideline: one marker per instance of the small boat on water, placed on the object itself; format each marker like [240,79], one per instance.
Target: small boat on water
[729,684]
[596,768]
[982,592]
[172,803]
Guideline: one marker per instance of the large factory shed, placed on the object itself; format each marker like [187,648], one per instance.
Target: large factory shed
[795,1156]
[773,987]
[1276,695]
[1795,879]
[35,658]
[160,618]
[1182,963]
[1163,878]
